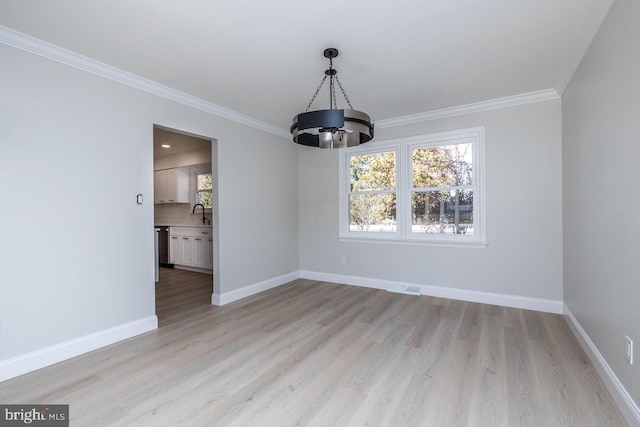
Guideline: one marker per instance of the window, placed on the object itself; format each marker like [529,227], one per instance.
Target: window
[372,192]
[420,190]
[202,185]
[204,188]
[442,189]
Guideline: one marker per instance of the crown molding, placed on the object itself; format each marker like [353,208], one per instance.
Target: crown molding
[64,56]
[476,107]
[597,13]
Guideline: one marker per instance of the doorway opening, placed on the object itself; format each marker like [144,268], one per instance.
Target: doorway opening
[185,222]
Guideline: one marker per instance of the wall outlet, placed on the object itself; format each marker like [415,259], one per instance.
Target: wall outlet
[343,260]
[629,350]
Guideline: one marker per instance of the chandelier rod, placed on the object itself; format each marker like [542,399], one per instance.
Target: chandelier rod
[332,90]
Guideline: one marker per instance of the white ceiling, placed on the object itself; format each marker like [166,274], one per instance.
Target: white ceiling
[178,143]
[264,59]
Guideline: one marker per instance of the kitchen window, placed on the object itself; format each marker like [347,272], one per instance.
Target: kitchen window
[421,190]
[202,185]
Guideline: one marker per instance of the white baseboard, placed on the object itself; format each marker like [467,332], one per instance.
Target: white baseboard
[624,401]
[11,368]
[247,291]
[505,300]
[342,279]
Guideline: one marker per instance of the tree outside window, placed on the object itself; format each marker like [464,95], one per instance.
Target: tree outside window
[372,199]
[442,189]
[204,188]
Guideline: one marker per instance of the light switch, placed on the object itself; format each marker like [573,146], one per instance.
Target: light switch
[139,199]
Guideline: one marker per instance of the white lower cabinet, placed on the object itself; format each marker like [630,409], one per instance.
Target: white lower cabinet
[191,247]
[203,252]
[175,250]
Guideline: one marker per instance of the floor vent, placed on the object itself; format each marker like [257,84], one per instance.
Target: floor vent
[405,289]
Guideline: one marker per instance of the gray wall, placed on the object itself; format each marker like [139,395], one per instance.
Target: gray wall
[77,252]
[601,151]
[524,212]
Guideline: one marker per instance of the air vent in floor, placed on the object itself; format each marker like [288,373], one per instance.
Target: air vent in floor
[405,289]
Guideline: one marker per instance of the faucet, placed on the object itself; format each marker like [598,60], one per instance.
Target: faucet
[204,218]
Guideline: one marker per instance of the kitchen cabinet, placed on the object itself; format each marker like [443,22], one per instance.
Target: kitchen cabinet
[182,250]
[175,250]
[171,186]
[191,247]
[203,252]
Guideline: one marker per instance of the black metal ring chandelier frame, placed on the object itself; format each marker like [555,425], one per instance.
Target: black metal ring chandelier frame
[332,128]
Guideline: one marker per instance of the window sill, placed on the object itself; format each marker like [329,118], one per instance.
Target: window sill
[404,242]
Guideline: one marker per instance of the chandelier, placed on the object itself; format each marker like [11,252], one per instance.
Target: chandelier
[332,128]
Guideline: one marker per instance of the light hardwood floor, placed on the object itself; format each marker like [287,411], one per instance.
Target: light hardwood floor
[322,354]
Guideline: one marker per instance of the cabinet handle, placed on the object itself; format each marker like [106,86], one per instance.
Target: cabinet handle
[204,232]
[174,237]
[185,238]
[197,239]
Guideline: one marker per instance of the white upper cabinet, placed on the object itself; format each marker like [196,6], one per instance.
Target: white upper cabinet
[171,186]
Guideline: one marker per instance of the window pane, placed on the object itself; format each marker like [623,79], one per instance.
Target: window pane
[206,198]
[204,181]
[372,212]
[442,212]
[444,166]
[376,171]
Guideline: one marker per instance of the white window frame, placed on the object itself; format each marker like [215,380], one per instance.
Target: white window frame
[345,191]
[404,182]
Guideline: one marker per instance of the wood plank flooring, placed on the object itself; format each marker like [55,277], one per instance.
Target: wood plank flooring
[179,292]
[321,354]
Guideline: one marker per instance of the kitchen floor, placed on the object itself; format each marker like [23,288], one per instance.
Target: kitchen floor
[180,293]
